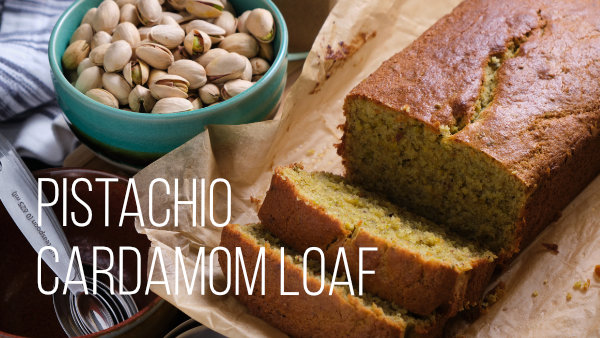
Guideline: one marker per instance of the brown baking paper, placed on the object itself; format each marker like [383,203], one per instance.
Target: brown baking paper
[357,36]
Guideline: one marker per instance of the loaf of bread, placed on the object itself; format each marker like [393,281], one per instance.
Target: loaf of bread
[418,265]
[337,315]
[489,122]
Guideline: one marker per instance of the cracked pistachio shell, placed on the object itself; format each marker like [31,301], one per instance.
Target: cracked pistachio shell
[197,42]
[215,32]
[179,53]
[196,102]
[101,38]
[207,57]
[172,105]
[89,78]
[89,16]
[190,70]
[168,20]
[204,9]
[241,43]
[129,14]
[106,17]
[97,54]
[83,32]
[155,74]
[169,36]
[227,21]
[144,32]
[128,32]
[117,86]
[74,54]
[84,64]
[265,51]
[149,12]
[259,66]
[136,72]
[141,100]
[241,22]
[117,56]
[123,3]
[103,96]
[225,67]
[260,24]
[178,17]
[247,74]
[209,93]
[234,87]
[155,55]
[177,4]
[169,86]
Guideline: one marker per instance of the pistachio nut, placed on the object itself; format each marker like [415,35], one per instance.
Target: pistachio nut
[103,96]
[141,100]
[84,64]
[209,93]
[260,24]
[155,55]
[97,54]
[190,70]
[196,42]
[74,54]
[136,72]
[117,86]
[106,17]
[89,16]
[234,87]
[196,102]
[259,66]
[117,56]
[215,32]
[225,67]
[207,57]
[169,36]
[144,32]
[83,32]
[170,86]
[179,53]
[90,78]
[101,38]
[177,4]
[168,20]
[149,12]
[265,51]
[172,105]
[241,22]
[155,74]
[247,74]
[127,31]
[129,14]
[204,9]
[227,21]
[241,43]
[123,3]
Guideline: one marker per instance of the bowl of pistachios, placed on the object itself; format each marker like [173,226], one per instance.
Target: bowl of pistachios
[138,78]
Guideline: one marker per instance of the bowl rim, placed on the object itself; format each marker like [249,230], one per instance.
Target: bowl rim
[280,26]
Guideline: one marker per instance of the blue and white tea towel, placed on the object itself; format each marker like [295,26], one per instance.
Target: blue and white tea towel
[29,115]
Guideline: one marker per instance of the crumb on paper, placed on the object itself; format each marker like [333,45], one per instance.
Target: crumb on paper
[552,247]
[583,286]
[545,282]
[597,271]
[255,201]
[310,152]
[569,296]
[534,294]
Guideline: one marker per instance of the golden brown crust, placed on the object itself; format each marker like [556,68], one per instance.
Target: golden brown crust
[303,315]
[402,276]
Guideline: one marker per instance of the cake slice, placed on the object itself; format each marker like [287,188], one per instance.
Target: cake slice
[337,315]
[488,122]
[418,265]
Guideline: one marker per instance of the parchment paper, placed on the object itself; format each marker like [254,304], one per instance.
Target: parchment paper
[357,36]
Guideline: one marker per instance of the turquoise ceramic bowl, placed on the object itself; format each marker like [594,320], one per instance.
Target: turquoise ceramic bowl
[136,139]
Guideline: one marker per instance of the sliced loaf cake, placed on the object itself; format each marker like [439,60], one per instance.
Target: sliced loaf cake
[337,315]
[417,265]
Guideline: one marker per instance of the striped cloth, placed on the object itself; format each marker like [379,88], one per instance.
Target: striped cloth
[29,115]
